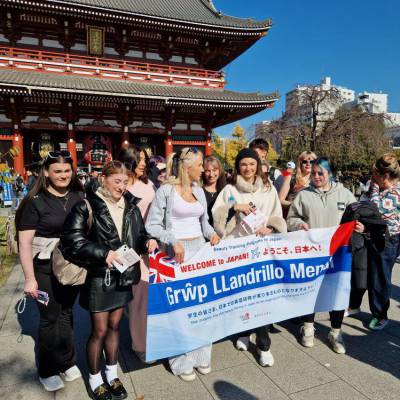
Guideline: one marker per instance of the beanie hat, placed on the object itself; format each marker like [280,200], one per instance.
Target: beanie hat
[245,153]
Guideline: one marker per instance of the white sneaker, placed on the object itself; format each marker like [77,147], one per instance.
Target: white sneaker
[71,374]
[191,376]
[307,334]
[242,343]
[266,358]
[336,340]
[352,311]
[204,369]
[52,383]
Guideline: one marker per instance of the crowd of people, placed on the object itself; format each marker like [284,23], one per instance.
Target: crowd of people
[179,205]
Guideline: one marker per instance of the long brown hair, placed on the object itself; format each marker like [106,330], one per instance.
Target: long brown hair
[42,183]
[221,182]
[387,164]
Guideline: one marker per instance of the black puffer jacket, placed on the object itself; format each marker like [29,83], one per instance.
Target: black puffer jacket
[375,230]
[89,248]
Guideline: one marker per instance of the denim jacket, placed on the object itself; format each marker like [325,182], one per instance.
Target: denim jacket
[158,223]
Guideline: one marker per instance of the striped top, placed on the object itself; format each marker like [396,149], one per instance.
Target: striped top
[388,203]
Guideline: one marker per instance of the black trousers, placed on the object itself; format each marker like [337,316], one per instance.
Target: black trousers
[380,277]
[336,318]
[56,351]
[263,341]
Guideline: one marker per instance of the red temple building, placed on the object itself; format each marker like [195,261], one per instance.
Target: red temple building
[92,76]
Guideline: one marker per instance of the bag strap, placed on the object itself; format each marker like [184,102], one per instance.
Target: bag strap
[90,219]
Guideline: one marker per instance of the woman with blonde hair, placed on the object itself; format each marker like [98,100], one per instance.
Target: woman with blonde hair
[384,192]
[295,181]
[178,219]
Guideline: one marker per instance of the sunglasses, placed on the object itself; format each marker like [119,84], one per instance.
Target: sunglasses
[57,154]
[304,162]
[315,173]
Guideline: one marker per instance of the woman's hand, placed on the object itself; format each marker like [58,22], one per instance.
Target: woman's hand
[179,252]
[31,287]
[215,239]
[244,208]
[359,228]
[303,227]
[152,245]
[111,257]
[263,231]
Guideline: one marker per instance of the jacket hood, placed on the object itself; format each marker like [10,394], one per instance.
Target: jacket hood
[335,187]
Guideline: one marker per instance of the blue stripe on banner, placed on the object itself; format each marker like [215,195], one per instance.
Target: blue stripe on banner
[175,295]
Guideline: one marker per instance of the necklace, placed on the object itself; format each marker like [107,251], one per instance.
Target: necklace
[63,201]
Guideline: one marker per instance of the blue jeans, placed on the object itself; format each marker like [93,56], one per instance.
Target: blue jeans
[380,275]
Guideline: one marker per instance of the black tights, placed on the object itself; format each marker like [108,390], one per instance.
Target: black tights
[105,335]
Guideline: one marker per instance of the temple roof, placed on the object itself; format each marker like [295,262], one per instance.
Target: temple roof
[170,94]
[201,12]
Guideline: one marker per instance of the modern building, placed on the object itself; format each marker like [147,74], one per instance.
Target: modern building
[374,103]
[299,108]
[92,76]
[393,129]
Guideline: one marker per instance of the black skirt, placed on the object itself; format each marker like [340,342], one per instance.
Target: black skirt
[97,297]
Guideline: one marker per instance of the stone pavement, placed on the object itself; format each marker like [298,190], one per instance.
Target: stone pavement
[369,370]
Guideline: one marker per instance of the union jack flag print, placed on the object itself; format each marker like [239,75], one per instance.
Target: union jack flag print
[161,268]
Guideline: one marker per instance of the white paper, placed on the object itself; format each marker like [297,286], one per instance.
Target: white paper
[128,257]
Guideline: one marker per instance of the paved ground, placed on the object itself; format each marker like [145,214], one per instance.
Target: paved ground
[370,369]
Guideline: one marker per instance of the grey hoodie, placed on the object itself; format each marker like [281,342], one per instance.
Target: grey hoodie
[319,209]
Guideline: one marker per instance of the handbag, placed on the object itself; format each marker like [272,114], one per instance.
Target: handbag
[66,272]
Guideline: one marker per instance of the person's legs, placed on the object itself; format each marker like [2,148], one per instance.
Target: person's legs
[335,334]
[48,328]
[263,342]
[382,263]
[307,330]
[356,296]
[66,297]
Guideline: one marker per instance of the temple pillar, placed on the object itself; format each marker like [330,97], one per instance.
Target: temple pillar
[169,147]
[208,148]
[71,145]
[125,138]
[18,143]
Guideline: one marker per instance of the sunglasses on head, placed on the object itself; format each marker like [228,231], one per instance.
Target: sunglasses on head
[304,162]
[57,154]
[191,150]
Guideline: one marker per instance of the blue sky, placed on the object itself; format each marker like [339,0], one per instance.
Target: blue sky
[356,42]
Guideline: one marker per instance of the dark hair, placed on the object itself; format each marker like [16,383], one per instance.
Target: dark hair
[259,173]
[42,184]
[221,182]
[131,155]
[259,143]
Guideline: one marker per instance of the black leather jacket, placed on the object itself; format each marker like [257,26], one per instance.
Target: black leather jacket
[89,248]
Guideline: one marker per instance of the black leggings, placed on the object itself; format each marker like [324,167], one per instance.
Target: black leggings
[263,341]
[105,335]
[336,318]
[56,352]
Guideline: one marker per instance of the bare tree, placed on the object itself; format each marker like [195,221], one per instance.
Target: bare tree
[311,107]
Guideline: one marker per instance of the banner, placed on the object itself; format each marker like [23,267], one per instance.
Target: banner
[244,283]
